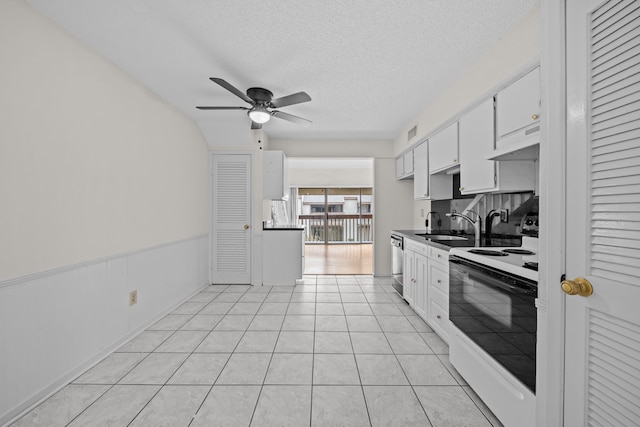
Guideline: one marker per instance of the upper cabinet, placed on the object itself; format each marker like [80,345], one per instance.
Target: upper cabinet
[518,119]
[478,175]
[443,149]
[476,141]
[276,176]
[404,165]
[425,186]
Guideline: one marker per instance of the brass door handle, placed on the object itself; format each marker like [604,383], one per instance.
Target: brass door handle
[246,226]
[534,116]
[578,286]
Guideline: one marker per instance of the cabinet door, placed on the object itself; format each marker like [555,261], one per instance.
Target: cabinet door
[399,167]
[275,175]
[408,277]
[407,161]
[421,171]
[518,105]
[476,142]
[421,286]
[443,149]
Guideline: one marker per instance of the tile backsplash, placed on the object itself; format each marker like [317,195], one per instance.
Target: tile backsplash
[518,204]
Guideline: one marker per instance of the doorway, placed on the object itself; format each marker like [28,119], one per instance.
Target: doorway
[338,229]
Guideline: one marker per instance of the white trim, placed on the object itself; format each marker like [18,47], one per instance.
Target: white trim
[551,310]
[58,270]
[74,373]
[84,310]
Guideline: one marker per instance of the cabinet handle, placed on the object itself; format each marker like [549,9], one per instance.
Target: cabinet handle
[439,256]
[461,188]
[439,281]
[455,160]
[438,316]
[535,116]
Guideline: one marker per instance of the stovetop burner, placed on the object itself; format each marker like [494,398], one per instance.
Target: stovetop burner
[519,251]
[487,252]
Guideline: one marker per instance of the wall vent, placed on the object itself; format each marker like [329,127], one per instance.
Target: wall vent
[412,132]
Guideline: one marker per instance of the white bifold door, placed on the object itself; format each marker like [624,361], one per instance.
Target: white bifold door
[602,330]
[231,219]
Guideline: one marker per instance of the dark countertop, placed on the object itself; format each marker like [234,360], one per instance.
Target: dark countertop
[496,241]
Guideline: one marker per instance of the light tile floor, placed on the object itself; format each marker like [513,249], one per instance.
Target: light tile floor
[335,350]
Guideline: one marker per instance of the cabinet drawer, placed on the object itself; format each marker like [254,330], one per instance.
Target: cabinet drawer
[439,318]
[439,255]
[420,248]
[439,280]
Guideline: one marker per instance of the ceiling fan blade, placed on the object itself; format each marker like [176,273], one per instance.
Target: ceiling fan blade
[228,86]
[290,117]
[255,125]
[223,108]
[295,98]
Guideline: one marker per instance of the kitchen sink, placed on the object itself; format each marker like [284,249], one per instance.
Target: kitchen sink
[441,236]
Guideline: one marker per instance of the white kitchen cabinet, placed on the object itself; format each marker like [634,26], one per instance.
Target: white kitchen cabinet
[417,265]
[438,292]
[282,256]
[479,175]
[425,186]
[408,274]
[276,175]
[443,149]
[518,109]
[421,301]
[426,271]
[404,165]
[399,167]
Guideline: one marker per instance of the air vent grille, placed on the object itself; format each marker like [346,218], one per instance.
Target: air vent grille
[412,133]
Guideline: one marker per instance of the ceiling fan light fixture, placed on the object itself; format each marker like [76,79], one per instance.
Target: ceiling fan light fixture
[259,114]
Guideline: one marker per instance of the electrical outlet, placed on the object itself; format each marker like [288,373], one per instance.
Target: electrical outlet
[133,297]
[504,215]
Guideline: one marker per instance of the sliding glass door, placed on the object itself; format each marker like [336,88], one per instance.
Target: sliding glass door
[336,215]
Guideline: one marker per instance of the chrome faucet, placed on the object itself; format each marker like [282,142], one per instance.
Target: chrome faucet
[477,224]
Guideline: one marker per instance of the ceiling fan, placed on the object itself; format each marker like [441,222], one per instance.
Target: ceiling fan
[262,104]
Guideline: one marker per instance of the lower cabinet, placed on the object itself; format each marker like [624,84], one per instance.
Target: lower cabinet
[426,284]
[438,312]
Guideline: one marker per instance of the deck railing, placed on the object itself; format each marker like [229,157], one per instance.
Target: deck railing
[338,227]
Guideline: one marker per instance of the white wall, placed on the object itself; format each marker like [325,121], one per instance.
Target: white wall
[92,163]
[392,211]
[103,189]
[516,50]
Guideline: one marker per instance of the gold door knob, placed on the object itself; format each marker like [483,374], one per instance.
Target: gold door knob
[246,226]
[578,286]
[535,117]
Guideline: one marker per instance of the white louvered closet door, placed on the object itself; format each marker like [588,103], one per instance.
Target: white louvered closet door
[602,331]
[231,219]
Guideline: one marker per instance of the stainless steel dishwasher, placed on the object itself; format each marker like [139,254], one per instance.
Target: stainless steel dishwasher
[397,249]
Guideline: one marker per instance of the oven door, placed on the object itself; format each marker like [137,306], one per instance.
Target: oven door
[496,310]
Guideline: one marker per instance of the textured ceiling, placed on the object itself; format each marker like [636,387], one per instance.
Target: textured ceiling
[370,66]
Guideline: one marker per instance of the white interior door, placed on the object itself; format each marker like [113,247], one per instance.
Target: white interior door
[602,335]
[231,219]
